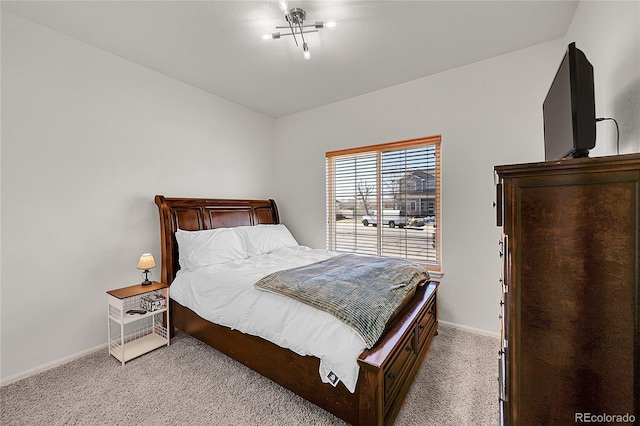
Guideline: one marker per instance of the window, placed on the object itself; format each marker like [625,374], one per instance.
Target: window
[385,200]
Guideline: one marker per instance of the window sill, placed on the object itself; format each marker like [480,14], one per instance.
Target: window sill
[436,276]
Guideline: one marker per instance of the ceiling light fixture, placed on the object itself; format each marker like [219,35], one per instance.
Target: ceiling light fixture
[295,18]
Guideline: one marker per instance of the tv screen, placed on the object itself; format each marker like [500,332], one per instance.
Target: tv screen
[569,110]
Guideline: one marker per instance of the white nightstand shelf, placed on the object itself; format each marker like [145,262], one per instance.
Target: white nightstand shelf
[133,335]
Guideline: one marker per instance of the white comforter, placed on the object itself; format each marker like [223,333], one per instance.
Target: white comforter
[224,294]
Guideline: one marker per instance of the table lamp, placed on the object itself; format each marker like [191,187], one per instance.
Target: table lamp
[146,262]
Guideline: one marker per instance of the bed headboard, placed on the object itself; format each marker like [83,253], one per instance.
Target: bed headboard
[195,214]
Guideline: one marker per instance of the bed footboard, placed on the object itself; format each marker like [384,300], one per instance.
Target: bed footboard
[388,370]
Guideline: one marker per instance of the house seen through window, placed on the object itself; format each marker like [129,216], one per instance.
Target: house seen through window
[385,200]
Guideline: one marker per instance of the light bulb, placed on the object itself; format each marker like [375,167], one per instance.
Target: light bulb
[330,24]
[267,36]
[307,54]
[283,6]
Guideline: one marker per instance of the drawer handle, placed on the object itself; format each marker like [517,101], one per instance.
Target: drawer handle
[408,349]
[421,327]
[391,376]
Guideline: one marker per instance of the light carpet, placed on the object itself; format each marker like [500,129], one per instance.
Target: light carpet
[189,383]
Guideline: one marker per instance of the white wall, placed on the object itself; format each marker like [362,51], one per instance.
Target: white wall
[88,139]
[488,113]
[609,34]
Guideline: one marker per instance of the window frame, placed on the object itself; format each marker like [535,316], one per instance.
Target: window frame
[378,149]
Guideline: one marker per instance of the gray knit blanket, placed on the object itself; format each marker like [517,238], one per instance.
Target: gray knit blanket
[361,291]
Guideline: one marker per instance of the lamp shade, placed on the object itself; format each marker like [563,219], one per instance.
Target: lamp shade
[146,261]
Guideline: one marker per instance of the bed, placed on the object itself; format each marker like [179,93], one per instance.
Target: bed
[386,371]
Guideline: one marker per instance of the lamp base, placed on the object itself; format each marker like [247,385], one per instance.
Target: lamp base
[145,275]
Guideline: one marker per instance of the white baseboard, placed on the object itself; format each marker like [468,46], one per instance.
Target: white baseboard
[73,357]
[471,329]
[50,365]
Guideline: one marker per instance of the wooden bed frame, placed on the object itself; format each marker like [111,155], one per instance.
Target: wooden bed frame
[386,371]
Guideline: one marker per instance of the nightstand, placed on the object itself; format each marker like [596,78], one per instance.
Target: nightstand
[132,335]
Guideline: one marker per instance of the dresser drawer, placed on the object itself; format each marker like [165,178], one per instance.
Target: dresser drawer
[398,368]
[426,322]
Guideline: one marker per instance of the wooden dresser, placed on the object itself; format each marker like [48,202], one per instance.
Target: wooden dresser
[569,310]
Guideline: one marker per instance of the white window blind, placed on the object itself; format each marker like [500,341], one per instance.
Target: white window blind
[385,200]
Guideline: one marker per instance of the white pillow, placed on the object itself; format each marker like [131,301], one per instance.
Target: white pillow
[262,239]
[209,247]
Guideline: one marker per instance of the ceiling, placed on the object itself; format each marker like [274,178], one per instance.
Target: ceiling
[216,45]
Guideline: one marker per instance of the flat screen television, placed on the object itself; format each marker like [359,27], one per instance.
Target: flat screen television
[569,110]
